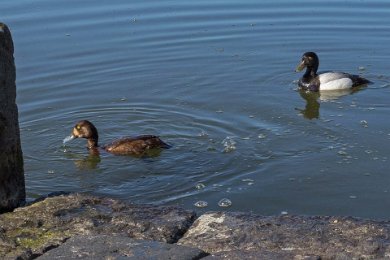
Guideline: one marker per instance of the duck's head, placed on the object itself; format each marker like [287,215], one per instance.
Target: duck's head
[85,129]
[310,61]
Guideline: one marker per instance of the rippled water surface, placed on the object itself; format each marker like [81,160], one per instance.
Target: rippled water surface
[216,80]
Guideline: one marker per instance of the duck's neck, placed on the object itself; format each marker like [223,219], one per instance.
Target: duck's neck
[311,72]
[92,143]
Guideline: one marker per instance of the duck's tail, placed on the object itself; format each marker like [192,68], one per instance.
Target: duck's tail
[358,81]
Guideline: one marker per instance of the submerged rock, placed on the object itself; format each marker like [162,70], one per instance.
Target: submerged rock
[12,190]
[30,231]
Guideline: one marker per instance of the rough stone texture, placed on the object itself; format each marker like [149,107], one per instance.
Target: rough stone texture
[30,231]
[119,247]
[89,227]
[261,254]
[12,190]
[233,235]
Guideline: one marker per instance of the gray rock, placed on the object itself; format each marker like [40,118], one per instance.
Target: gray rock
[30,231]
[261,254]
[242,254]
[12,189]
[231,234]
[40,228]
[119,247]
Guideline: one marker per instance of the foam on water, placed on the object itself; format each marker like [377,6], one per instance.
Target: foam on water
[229,144]
[225,203]
[67,139]
[201,204]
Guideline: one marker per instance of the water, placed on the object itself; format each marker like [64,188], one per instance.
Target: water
[216,80]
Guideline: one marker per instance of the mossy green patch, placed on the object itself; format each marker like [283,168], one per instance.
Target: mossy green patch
[36,238]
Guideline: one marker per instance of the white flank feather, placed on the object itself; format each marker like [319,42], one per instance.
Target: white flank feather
[334,81]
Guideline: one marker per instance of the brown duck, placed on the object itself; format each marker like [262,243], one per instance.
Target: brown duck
[137,146]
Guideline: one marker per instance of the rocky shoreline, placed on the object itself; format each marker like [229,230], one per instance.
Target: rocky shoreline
[90,227]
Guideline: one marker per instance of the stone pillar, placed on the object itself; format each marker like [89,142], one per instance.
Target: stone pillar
[12,189]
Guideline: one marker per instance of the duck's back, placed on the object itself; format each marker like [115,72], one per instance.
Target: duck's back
[135,145]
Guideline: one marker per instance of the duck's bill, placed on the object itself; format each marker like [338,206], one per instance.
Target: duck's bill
[300,67]
[69,138]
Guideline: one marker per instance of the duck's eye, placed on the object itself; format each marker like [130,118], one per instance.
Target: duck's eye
[78,127]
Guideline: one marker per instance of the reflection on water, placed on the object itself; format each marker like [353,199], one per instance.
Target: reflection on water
[84,162]
[312,107]
[89,162]
[336,94]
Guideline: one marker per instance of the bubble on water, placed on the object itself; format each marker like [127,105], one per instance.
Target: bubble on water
[50,171]
[200,186]
[201,204]
[67,139]
[364,123]
[353,197]
[203,134]
[361,68]
[368,151]
[224,203]
[343,153]
[229,144]
[247,180]
[261,136]
[283,213]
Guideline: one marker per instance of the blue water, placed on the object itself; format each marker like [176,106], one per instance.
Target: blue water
[216,80]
